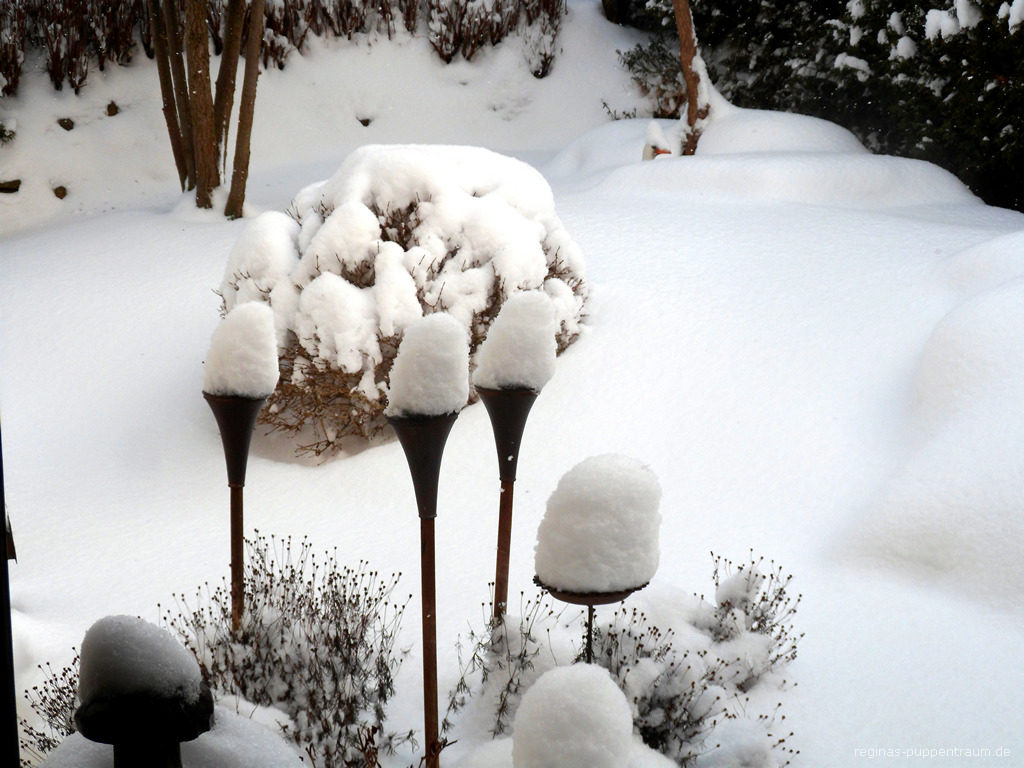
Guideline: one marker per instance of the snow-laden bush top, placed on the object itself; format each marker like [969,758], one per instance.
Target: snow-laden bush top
[430,376]
[397,233]
[600,530]
[243,353]
[124,655]
[519,350]
[573,717]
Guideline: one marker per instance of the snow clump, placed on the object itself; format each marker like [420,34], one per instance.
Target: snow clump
[398,232]
[242,359]
[573,717]
[600,531]
[430,376]
[125,655]
[234,741]
[519,351]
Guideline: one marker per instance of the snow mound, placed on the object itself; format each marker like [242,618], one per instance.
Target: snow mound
[988,264]
[736,131]
[430,376]
[243,353]
[953,510]
[573,717]
[124,655]
[233,742]
[519,351]
[600,530]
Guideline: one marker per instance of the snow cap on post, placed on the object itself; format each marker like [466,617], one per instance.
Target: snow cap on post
[137,683]
[430,375]
[573,717]
[519,351]
[600,530]
[242,360]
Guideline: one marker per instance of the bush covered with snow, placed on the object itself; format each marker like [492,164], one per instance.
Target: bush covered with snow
[397,233]
[702,687]
[317,642]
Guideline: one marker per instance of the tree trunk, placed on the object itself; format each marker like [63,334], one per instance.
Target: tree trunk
[225,92]
[246,111]
[204,134]
[163,66]
[175,52]
[695,110]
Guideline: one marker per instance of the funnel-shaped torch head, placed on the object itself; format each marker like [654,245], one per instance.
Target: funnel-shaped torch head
[236,417]
[423,439]
[508,409]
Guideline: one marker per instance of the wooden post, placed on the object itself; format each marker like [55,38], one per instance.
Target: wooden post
[687,54]
[504,549]
[429,623]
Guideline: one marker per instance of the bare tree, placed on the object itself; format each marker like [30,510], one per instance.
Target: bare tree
[697,106]
[198,115]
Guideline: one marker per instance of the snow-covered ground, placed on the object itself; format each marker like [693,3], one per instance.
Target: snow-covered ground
[818,351]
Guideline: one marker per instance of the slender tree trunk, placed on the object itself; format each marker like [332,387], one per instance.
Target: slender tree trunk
[163,66]
[246,111]
[197,50]
[225,92]
[695,110]
[176,55]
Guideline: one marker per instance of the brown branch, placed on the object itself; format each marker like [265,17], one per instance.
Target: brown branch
[246,111]
[687,54]
[225,91]
[197,50]
[163,66]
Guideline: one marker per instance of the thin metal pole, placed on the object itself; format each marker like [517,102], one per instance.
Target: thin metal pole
[429,622]
[237,559]
[10,712]
[504,549]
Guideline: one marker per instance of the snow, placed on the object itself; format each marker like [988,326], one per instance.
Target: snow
[573,717]
[243,353]
[600,530]
[430,376]
[519,351]
[757,332]
[126,655]
[234,741]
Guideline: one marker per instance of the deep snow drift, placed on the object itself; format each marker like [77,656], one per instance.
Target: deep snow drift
[816,350]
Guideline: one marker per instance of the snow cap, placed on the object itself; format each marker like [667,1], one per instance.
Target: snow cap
[600,530]
[430,375]
[123,655]
[573,717]
[519,351]
[242,359]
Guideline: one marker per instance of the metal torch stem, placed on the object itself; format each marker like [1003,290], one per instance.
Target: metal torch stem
[590,634]
[429,624]
[237,559]
[504,549]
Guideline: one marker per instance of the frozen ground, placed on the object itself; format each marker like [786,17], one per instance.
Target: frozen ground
[818,352]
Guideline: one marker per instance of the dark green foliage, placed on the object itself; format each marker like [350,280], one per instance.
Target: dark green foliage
[956,100]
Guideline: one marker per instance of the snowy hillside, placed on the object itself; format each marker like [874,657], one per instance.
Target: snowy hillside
[816,350]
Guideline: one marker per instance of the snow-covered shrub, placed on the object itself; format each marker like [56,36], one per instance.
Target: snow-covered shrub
[317,641]
[398,232]
[657,71]
[53,701]
[501,662]
[12,46]
[689,690]
[754,611]
[540,38]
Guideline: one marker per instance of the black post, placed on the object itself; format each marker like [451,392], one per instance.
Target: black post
[423,439]
[236,418]
[508,410]
[10,712]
